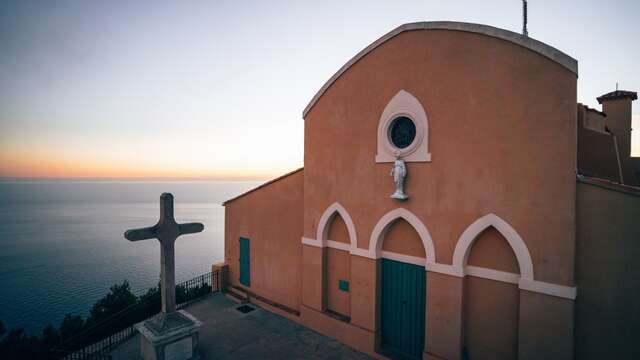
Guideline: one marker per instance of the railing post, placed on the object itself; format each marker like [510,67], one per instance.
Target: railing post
[219,270]
[77,348]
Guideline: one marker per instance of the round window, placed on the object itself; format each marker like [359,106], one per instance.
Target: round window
[402,132]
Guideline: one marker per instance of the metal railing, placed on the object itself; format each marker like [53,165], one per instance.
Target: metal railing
[97,340]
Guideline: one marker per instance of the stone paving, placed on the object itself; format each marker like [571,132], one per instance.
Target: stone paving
[227,333]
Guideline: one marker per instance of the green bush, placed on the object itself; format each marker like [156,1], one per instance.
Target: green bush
[117,310]
[118,298]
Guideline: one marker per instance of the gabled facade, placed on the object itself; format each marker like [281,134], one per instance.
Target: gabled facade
[478,262]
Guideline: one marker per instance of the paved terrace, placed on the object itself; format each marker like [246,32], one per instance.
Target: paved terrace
[226,333]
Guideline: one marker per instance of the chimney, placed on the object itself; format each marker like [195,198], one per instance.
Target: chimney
[617,106]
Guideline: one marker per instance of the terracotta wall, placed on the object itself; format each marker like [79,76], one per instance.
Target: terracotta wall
[502,136]
[490,319]
[619,121]
[338,267]
[607,310]
[271,217]
[597,150]
[338,230]
[491,308]
[491,250]
[402,238]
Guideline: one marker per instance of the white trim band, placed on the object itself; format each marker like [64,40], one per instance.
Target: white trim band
[338,245]
[311,242]
[491,274]
[561,291]
[541,287]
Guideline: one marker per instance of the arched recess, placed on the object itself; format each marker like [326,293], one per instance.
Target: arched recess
[379,231]
[325,220]
[491,295]
[463,247]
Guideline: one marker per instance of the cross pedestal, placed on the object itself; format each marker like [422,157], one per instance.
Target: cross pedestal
[171,334]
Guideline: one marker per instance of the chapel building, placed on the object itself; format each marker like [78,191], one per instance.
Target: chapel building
[518,236]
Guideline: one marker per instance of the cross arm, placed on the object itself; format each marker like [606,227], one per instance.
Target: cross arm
[141,234]
[190,228]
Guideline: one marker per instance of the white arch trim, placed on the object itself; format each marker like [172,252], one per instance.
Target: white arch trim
[460,256]
[463,247]
[322,231]
[380,230]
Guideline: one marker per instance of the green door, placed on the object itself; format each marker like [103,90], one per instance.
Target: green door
[245,262]
[403,309]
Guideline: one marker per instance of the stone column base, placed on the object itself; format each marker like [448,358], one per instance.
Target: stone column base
[169,336]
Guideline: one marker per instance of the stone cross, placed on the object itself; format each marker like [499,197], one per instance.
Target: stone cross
[166,231]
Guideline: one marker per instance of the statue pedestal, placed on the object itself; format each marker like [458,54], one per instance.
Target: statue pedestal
[169,336]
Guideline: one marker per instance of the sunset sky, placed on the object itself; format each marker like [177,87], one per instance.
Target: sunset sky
[216,89]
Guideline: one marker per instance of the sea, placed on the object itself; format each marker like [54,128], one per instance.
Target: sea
[62,243]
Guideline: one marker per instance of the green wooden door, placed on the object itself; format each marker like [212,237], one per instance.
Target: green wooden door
[245,262]
[403,309]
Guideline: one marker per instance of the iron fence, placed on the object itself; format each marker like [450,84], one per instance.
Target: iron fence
[97,340]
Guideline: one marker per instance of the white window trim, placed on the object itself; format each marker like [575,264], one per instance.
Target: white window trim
[403,104]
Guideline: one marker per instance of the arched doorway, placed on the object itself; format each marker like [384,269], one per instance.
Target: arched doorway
[403,243]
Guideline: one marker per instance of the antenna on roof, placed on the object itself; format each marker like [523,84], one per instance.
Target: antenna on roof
[525,33]
[616,86]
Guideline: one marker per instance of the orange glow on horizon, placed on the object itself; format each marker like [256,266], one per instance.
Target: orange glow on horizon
[25,166]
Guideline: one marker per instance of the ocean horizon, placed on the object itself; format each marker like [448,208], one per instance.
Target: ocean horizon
[63,241]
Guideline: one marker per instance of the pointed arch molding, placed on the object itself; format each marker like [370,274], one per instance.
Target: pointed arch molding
[525,279]
[380,230]
[459,268]
[322,230]
[463,247]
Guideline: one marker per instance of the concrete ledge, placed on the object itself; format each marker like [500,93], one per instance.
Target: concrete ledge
[274,309]
[539,47]
[354,336]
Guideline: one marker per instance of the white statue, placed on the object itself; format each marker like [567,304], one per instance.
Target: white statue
[399,173]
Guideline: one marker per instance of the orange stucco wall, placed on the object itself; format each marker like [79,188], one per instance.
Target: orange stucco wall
[491,250]
[271,217]
[338,267]
[402,238]
[490,319]
[502,136]
[491,308]
[619,121]
[338,230]
[597,149]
